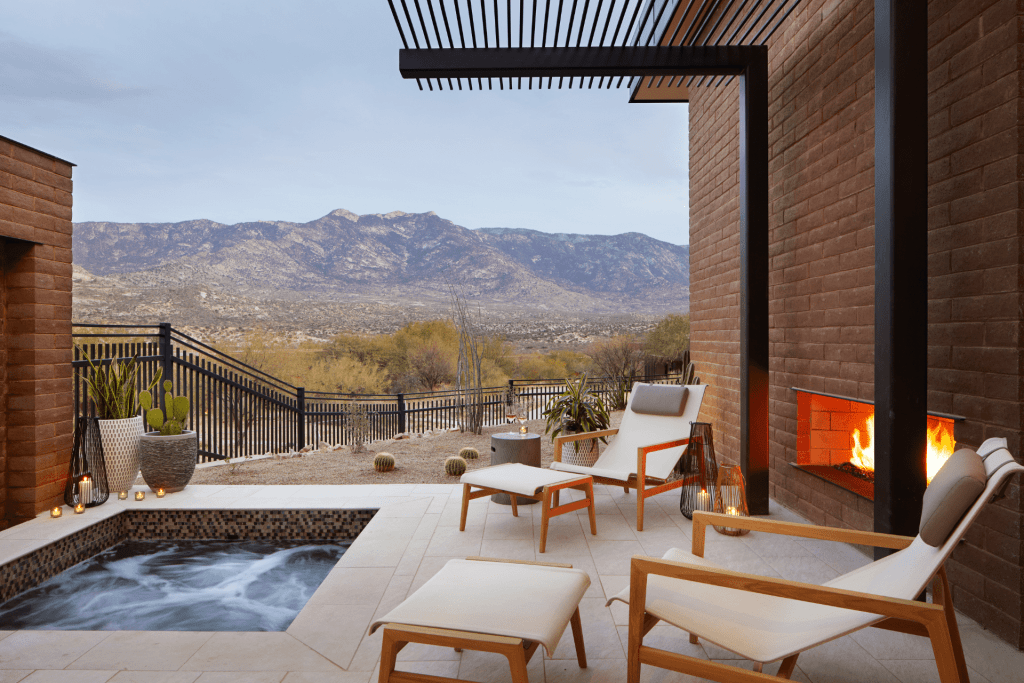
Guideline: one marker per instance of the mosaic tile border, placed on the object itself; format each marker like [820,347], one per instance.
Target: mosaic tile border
[36,567]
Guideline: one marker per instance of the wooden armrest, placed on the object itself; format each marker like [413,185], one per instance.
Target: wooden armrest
[644,450]
[560,565]
[702,519]
[898,608]
[566,438]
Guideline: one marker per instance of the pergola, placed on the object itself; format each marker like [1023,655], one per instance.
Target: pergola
[664,49]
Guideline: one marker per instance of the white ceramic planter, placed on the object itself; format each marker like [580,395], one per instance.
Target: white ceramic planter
[121,451]
[583,453]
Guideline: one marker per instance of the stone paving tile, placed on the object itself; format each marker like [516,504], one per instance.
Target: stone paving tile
[412,537]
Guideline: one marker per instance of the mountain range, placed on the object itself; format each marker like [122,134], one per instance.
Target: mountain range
[388,258]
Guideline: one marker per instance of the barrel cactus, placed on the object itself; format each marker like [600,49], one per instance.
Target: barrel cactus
[177,408]
[383,462]
[455,466]
[469,453]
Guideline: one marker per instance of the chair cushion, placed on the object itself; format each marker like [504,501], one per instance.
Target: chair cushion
[659,399]
[955,488]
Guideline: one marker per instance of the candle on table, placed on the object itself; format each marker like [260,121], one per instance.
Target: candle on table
[56,512]
[85,490]
[160,493]
[123,495]
[79,509]
[139,495]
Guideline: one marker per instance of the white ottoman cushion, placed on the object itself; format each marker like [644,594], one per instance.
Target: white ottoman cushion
[517,478]
[532,602]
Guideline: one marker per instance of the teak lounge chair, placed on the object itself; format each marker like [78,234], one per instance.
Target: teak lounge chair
[650,440]
[766,619]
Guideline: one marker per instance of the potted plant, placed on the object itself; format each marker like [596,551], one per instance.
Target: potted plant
[575,411]
[167,454]
[113,389]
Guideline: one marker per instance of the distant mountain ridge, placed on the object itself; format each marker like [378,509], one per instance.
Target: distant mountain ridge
[391,254]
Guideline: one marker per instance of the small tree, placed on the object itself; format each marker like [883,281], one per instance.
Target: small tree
[621,360]
[431,366]
[669,339]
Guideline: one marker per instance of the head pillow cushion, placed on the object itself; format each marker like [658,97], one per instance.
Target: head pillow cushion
[955,488]
[659,399]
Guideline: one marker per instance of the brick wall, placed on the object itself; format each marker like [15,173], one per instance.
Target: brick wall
[35,230]
[821,170]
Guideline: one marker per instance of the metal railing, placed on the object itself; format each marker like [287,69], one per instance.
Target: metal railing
[239,410]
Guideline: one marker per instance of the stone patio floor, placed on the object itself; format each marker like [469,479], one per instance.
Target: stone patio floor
[411,537]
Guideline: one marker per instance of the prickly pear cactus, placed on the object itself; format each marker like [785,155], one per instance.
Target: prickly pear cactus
[455,466]
[469,454]
[383,462]
[173,422]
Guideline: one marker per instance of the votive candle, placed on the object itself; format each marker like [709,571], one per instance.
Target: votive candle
[140,495]
[160,493]
[123,495]
[85,490]
[56,512]
[79,509]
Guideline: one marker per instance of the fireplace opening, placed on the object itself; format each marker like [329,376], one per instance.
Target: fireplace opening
[835,436]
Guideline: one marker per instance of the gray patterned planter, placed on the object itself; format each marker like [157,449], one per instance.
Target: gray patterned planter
[168,462]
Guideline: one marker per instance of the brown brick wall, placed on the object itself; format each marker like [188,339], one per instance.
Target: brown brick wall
[822,257]
[35,228]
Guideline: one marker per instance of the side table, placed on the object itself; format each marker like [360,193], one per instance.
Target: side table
[512,447]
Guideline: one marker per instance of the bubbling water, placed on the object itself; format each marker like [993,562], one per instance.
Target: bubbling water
[178,586]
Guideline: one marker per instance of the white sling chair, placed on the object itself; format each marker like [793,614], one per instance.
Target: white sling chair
[648,443]
[766,619]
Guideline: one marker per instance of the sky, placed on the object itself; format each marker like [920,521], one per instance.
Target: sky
[243,111]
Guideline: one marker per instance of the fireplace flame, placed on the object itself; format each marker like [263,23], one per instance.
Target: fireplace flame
[940,446]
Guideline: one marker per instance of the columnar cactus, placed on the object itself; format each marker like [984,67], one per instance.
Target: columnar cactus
[177,411]
[469,453]
[383,462]
[455,466]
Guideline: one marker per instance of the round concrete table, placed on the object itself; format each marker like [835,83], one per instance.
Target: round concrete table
[514,447]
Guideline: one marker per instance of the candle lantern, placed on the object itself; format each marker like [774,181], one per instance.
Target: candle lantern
[56,512]
[698,469]
[122,495]
[79,509]
[732,498]
[87,474]
[140,495]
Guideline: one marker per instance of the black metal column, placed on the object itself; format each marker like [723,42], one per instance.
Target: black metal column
[754,281]
[901,263]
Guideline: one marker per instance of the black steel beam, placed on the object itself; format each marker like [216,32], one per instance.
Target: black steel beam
[901,263]
[750,62]
[754,281]
[581,61]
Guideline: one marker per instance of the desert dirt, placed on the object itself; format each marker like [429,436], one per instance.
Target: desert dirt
[417,461]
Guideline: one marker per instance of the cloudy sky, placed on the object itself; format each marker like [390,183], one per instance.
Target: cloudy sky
[253,110]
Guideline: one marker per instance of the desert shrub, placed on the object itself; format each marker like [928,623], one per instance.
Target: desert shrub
[670,338]
[621,360]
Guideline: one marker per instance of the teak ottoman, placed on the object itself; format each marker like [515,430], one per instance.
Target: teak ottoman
[529,482]
[501,606]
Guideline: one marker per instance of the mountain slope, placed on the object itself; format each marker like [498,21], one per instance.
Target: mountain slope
[391,255]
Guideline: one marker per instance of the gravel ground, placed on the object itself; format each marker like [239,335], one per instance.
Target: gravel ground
[417,461]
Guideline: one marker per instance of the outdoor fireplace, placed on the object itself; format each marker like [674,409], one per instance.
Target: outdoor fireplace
[835,435]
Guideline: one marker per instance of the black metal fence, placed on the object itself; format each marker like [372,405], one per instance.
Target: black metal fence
[239,410]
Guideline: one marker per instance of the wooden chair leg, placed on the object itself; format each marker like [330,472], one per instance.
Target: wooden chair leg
[577,637]
[639,507]
[758,667]
[517,663]
[515,506]
[590,509]
[465,506]
[545,510]
[388,656]
[944,597]
[555,498]
[942,647]
[787,667]
[626,489]
[693,639]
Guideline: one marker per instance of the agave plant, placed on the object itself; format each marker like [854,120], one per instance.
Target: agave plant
[578,409]
[113,388]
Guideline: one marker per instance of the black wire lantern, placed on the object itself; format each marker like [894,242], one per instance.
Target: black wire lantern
[699,472]
[87,472]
